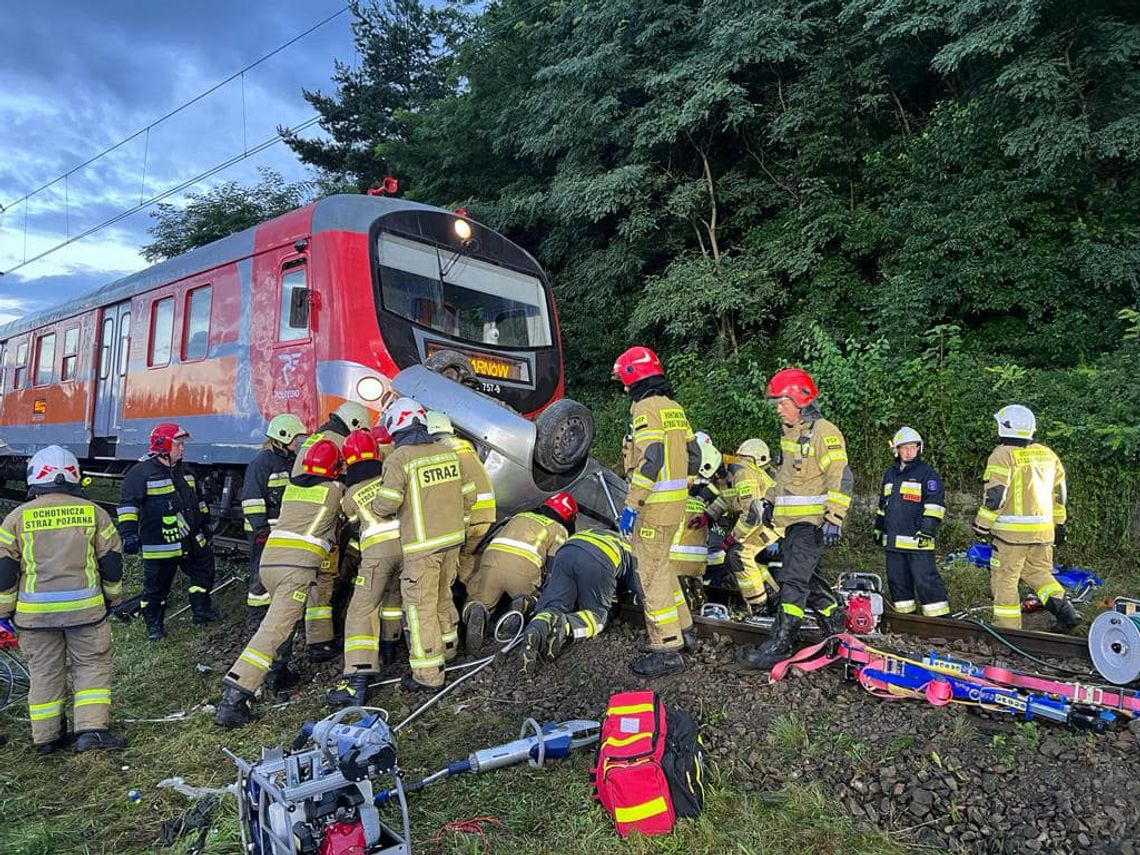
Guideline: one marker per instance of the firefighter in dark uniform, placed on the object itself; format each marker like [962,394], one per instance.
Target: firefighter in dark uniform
[310,512]
[912,503]
[575,600]
[265,480]
[162,515]
[60,568]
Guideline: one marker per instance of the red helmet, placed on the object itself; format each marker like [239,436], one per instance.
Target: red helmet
[358,447]
[564,505]
[635,364]
[323,458]
[163,436]
[795,384]
[381,436]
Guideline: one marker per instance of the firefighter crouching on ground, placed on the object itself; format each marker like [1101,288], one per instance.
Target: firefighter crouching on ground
[912,503]
[512,564]
[301,540]
[809,502]
[478,494]
[657,466]
[380,557]
[1023,514]
[576,598]
[746,484]
[162,515]
[265,480]
[423,485]
[60,568]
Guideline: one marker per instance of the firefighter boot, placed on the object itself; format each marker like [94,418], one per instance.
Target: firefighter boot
[512,622]
[779,646]
[534,640]
[658,663]
[281,677]
[352,692]
[233,709]
[1065,612]
[691,640]
[202,609]
[153,612]
[475,619]
[96,740]
[388,653]
[45,748]
[834,621]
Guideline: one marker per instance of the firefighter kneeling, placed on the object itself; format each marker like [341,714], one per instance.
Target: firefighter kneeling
[310,510]
[61,552]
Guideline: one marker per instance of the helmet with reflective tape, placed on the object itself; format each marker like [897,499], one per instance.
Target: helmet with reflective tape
[322,458]
[354,415]
[564,505]
[1016,421]
[904,435]
[163,436]
[755,450]
[53,465]
[711,458]
[403,413]
[636,364]
[284,428]
[358,447]
[795,384]
[438,422]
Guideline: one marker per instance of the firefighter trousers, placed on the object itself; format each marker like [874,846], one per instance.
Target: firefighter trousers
[752,576]
[256,597]
[319,610]
[513,577]
[49,652]
[1011,563]
[666,612]
[467,557]
[802,585]
[362,620]
[392,611]
[581,588]
[289,589]
[425,585]
[914,581]
[196,561]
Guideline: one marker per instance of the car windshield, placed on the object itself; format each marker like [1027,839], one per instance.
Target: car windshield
[472,300]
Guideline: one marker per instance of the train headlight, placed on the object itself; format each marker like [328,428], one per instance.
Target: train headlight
[370,388]
[462,229]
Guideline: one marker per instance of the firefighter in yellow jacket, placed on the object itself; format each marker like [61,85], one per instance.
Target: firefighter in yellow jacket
[423,484]
[380,556]
[808,502]
[294,552]
[657,465]
[61,566]
[689,552]
[1023,514]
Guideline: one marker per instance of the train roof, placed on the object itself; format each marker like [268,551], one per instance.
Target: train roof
[342,212]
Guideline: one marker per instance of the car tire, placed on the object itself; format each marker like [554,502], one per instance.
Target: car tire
[454,366]
[564,432]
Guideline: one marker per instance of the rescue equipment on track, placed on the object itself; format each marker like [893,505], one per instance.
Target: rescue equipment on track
[1114,642]
[861,595]
[942,679]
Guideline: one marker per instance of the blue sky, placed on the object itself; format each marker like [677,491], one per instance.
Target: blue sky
[77,77]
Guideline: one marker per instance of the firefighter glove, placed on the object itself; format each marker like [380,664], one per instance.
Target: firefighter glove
[625,524]
[831,534]
[132,543]
[772,548]
[981,535]
[924,540]
[699,521]
[259,537]
[1058,534]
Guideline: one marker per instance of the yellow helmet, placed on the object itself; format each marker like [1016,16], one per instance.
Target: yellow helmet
[284,428]
[354,415]
[756,450]
[438,422]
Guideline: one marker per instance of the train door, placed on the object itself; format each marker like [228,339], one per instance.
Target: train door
[114,348]
[294,365]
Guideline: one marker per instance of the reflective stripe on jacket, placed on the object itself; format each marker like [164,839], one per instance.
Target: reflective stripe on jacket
[658,460]
[814,482]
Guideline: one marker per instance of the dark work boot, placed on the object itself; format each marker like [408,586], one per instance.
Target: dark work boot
[326,651]
[1065,612]
[388,653]
[780,644]
[530,650]
[692,642]
[233,709]
[281,677]
[153,613]
[475,620]
[96,740]
[352,692]
[658,663]
[410,684]
[202,609]
[834,622]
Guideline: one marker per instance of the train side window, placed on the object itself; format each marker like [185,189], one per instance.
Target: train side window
[70,355]
[196,332]
[124,342]
[20,374]
[105,346]
[45,359]
[293,313]
[161,332]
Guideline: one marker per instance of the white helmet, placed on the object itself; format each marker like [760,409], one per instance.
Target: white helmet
[711,458]
[904,435]
[403,413]
[356,416]
[53,465]
[438,422]
[755,450]
[1016,421]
